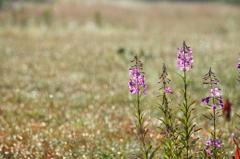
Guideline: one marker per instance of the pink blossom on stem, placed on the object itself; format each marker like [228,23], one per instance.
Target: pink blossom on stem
[168,90]
[211,144]
[137,81]
[185,58]
[214,106]
[214,92]
[238,63]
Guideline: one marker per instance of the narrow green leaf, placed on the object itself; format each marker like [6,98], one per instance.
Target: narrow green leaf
[153,153]
[194,141]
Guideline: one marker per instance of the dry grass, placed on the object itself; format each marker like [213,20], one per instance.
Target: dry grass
[64,90]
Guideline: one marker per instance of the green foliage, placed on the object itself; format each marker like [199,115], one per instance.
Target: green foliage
[106,155]
[186,126]
[170,143]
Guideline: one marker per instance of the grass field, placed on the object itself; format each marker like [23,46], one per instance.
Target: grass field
[64,72]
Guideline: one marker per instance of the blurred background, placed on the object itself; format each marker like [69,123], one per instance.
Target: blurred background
[64,71]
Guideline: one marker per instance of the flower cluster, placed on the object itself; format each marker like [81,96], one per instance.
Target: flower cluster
[137,81]
[213,143]
[215,94]
[138,78]
[185,58]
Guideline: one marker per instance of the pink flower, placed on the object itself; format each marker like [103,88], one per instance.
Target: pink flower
[136,81]
[214,92]
[238,63]
[168,90]
[213,143]
[214,106]
[185,58]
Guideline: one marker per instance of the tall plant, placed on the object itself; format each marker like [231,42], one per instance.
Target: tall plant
[214,102]
[185,63]
[170,141]
[138,87]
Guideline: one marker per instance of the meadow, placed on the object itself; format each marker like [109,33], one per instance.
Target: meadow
[64,73]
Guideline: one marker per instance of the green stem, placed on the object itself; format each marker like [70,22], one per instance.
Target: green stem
[214,122]
[214,133]
[186,113]
[141,127]
[140,122]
